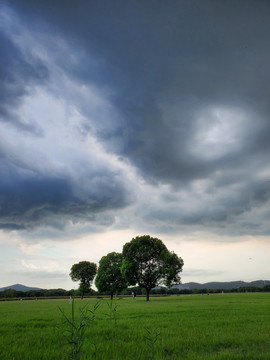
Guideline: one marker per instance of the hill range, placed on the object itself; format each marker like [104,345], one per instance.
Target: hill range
[222,285]
[189,285]
[19,287]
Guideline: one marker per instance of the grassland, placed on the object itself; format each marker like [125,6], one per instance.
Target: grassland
[229,326]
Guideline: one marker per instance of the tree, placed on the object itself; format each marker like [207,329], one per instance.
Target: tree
[148,263]
[109,277]
[84,272]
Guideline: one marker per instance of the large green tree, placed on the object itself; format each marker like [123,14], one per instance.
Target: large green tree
[148,263]
[109,277]
[84,272]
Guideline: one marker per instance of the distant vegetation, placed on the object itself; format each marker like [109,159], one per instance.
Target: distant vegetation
[11,293]
[54,293]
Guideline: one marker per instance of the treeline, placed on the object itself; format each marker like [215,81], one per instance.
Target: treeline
[175,291]
[11,293]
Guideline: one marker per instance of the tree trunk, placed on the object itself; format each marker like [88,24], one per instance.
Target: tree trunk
[147,294]
[111,295]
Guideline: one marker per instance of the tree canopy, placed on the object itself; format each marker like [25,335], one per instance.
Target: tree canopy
[84,272]
[148,263]
[109,277]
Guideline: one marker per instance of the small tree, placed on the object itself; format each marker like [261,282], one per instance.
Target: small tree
[109,277]
[148,263]
[84,272]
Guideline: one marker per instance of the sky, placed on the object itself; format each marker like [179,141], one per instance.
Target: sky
[124,118]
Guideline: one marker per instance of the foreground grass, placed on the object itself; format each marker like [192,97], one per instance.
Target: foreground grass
[229,326]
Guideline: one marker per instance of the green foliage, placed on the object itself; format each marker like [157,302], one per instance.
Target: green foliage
[112,314]
[73,328]
[151,337]
[109,277]
[7,294]
[148,263]
[84,272]
[10,293]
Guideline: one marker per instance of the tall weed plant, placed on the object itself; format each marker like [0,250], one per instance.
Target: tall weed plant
[74,328]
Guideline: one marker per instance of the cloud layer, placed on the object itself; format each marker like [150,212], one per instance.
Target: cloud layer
[147,115]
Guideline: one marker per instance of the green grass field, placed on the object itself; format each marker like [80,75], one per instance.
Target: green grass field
[229,326]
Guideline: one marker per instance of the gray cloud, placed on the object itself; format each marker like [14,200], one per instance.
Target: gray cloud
[185,90]
[37,201]
[17,75]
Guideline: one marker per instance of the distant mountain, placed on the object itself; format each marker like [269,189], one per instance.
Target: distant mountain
[189,286]
[19,287]
[221,285]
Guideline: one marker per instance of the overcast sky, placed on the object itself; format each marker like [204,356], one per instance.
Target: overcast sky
[123,118]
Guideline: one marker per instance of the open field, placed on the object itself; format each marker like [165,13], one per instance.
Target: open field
[229,326]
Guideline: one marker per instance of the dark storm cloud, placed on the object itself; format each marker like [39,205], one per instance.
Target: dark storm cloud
[33,191]
[191,83]
[16,77]
[29,202]
[182,55]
